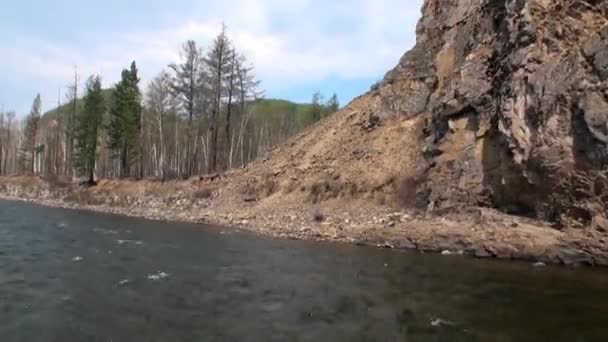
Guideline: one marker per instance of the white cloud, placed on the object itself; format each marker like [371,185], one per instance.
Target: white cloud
[289,42]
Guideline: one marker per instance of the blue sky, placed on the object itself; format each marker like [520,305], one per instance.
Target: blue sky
[296,46]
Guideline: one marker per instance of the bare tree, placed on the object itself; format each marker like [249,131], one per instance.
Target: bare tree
[185,85]
[248,90]
[317,106]
[218,65]
[10,116]
[161,104]
[71,124]
[2,147]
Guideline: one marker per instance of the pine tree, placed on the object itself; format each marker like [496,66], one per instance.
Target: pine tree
[29,146]
[87,129]
[125,119]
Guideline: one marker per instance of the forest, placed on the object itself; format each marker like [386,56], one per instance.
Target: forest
[202,114]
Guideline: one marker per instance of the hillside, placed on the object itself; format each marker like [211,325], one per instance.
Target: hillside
[271,109]
[67,108]
[499,106]
[510,117]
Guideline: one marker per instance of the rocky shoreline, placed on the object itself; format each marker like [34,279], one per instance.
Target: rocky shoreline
[481,233]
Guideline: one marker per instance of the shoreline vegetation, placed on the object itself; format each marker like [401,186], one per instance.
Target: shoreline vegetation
[477,232]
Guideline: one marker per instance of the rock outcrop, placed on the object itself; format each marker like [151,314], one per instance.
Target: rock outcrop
[515,98]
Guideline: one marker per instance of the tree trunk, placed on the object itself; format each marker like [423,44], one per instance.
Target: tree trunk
[8,146]
[162,146]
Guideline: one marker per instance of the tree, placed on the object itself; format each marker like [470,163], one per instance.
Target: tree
[161,104]
[29,146]
[10,116]
[333,105]
[125,119]
[186,83]
[218,64]
[248,90]
[2,147]
[87,128]
[232,84]
[317,106]
[70,124]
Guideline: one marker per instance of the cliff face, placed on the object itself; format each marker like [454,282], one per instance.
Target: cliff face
[514,94]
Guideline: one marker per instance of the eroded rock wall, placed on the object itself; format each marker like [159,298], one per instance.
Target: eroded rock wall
[515,96]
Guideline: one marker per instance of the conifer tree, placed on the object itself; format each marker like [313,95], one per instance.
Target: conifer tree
[125,119]
[87,128]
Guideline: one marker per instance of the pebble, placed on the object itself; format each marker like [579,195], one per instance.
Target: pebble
[77,259]
[539,264]
[446,253]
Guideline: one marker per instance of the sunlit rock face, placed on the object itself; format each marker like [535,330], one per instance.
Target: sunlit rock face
[515,96]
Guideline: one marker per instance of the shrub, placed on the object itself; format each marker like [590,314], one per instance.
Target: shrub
[82,197]
[270,187]
[57,182]
[289,186]
[318,215]
[410,193]
[250,188]
[203,193]
[375,86]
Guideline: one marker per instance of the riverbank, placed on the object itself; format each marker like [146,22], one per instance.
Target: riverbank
[477,232]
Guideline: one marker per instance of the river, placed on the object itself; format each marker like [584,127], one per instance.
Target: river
[80,276]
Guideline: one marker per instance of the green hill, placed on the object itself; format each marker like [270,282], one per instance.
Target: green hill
[261,110]
[52,114]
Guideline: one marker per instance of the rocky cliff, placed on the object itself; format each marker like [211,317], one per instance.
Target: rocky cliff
[514,95]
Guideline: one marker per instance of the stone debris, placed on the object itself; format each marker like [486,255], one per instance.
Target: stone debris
[77,259]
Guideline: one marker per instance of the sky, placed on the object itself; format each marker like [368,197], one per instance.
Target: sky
[296,46]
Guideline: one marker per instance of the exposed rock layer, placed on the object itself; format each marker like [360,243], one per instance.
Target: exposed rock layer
[515,97]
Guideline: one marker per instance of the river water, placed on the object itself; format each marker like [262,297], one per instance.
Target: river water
[79,276]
